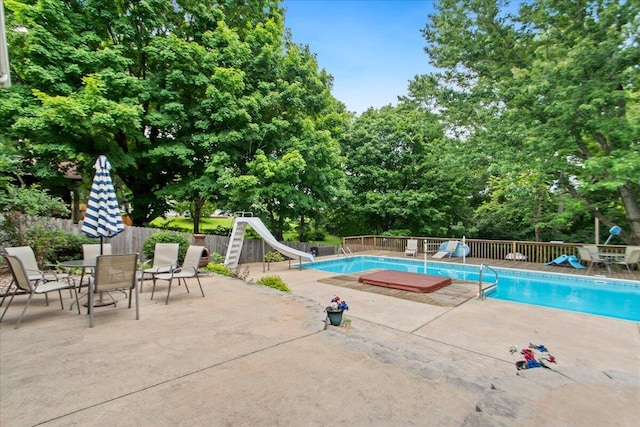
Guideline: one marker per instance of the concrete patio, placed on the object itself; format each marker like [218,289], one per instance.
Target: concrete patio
[247,355]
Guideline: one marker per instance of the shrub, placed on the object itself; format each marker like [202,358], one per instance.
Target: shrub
[149,245]
[273,257]
[218,268]
[53,245]
[274,282]
[216,258]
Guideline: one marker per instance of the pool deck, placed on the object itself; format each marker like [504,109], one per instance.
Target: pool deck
[245,355]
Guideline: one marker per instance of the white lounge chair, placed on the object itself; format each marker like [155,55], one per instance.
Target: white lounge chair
[412,248]
[448,250]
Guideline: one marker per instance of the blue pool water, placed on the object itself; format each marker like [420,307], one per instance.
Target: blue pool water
[593,295]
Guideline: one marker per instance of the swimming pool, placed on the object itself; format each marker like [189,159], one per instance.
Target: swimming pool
[585,294]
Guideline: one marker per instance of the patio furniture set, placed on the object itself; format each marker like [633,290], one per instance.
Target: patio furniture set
[106,272]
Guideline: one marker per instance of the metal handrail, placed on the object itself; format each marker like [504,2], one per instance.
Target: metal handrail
[481,291]
[341,249]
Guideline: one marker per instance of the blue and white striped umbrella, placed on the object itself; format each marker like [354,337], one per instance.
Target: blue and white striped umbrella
[102,218]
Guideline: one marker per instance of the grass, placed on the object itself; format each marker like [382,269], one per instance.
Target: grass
[208,225]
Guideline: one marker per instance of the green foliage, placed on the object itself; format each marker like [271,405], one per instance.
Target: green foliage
[218,269]
[217,258]
[274,282]
[21,207]
[403,174]
[273,257]
[149,245]
[33,201]
[53,245]
[181,96]
[216,226]
[546,100]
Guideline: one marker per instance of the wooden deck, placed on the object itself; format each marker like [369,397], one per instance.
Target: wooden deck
[459,291]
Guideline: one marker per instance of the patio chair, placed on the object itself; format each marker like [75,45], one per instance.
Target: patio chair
[92,251]
[412,248]
[448,250]
[31,286]
[28,258]
[590,259]
[114,273]
[630,260]
[188,270]
[165,259]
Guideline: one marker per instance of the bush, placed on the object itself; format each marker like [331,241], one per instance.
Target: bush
[274,282]
[216,258]
[149,245]
[218,268]
[51,246]
[273,257]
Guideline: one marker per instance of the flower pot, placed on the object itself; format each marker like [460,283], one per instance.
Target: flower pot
[335,316]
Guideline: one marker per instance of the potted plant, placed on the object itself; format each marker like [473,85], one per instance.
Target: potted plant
[335,310]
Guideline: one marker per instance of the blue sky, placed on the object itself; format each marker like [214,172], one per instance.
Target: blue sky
[372,48]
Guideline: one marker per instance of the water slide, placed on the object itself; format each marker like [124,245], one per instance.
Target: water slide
[237,238]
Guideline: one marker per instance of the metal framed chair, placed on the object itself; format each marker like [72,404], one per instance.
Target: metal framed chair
[188,270]
[165,259]
[33,286]
[586,256]
[28,258]
[630,260]
[93,251]
[114,273]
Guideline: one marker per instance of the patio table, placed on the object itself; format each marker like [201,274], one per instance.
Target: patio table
[85,264]
[609,258]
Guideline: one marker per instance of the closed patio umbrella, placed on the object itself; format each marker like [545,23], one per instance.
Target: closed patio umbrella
[102,218]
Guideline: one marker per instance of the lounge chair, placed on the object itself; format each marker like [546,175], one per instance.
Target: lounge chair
[412,248]
[188,270]
[448,250]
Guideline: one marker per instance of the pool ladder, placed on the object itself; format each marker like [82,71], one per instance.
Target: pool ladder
[341,249]
[482,291]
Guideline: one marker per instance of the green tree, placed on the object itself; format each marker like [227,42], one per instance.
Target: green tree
[552,90]
[403,175]
[180,95]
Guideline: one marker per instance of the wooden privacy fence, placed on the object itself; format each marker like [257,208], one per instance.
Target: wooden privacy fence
[132,239]
[537,252]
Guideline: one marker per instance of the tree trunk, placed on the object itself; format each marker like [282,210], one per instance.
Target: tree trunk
[632,210]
